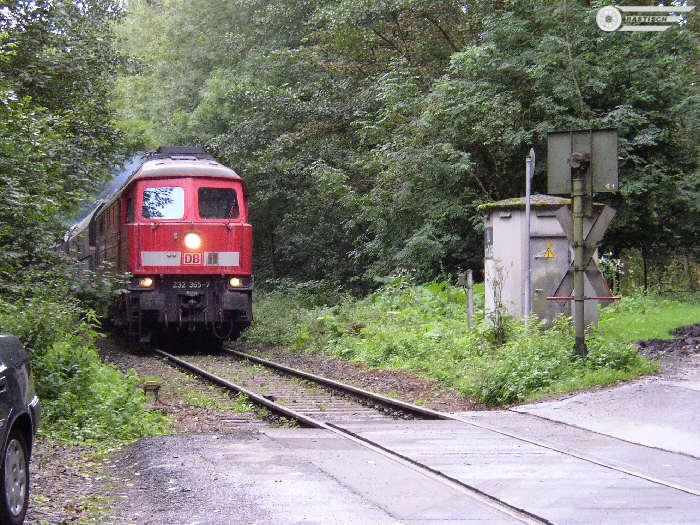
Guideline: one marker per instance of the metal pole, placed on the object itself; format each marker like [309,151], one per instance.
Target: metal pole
[470,299]
[577,196]
[529,169]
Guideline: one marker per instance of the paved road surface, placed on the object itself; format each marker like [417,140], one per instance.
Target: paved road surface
[622,455]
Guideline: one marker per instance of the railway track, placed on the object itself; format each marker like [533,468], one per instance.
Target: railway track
[319,402]
[307,398]
[360,401]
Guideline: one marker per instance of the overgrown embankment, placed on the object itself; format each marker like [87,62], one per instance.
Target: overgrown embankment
[423,328]
[83,399]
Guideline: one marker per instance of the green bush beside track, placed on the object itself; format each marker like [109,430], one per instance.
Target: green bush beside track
[83,399]
[423,328]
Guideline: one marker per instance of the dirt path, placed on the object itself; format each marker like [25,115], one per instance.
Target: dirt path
[676,355]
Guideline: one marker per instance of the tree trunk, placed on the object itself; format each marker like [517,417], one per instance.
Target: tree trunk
[272,254]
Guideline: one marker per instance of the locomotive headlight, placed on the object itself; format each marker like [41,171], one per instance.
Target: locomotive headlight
[145,282]
[235,282]
[193,241]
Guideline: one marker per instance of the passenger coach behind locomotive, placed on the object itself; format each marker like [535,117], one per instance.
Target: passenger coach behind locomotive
[179,225]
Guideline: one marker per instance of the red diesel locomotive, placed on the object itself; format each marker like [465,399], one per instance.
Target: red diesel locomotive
[179,226]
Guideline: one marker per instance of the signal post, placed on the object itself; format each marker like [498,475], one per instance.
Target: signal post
[582,162]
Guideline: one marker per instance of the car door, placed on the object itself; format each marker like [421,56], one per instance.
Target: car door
[8,349]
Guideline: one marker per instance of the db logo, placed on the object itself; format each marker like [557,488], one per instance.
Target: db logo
[192,258]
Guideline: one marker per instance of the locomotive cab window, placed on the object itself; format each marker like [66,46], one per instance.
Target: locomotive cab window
[163,203]
[217,203]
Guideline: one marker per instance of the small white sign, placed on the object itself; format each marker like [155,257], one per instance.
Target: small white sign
[640,18]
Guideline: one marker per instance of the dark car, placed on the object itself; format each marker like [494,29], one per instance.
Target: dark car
[19,417]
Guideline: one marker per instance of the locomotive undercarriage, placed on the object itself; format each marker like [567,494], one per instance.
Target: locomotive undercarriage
[201,305]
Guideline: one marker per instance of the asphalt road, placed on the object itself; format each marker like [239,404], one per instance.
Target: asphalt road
[628,454]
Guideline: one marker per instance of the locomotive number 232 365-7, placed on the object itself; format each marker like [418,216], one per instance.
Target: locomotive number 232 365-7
[190,285]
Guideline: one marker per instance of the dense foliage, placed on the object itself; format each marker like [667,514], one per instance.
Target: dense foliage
[57,144]
[423,328]
[369,131]
[83,399]
[57,64]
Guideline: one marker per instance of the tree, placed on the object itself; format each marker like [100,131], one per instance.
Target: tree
[370,131]
[56,139]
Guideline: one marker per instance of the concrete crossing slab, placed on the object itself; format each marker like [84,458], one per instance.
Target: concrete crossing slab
[285,476]
[672,468]
[650,412]
[558,487]
[242,479]
[404,493]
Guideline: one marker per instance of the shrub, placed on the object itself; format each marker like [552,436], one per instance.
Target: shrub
[529,362]
[83,398]
[423,328]
[618,354]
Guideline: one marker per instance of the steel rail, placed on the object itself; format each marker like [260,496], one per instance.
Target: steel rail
[617,438]
[425,413]
[433,414]
[584,457]
[478,494]
[432,473]
[311,422]
[256,398]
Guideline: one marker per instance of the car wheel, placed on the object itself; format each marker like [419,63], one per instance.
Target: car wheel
[14,480]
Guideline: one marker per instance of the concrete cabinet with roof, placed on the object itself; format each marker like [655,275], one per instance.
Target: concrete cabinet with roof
[505,249]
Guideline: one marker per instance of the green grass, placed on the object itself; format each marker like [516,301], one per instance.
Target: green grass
[422,328]
[647,317]
[587,379]
[278,317]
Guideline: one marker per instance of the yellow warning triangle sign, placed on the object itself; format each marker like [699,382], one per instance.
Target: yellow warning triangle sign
[549,254]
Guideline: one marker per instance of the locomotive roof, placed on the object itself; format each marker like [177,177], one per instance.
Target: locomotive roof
[175,166]
[162,164]
[182,165]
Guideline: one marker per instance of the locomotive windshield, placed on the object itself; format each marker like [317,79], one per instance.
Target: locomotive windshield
[217,203]
[163,203]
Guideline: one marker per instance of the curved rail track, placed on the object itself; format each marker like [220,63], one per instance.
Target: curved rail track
[359,404]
